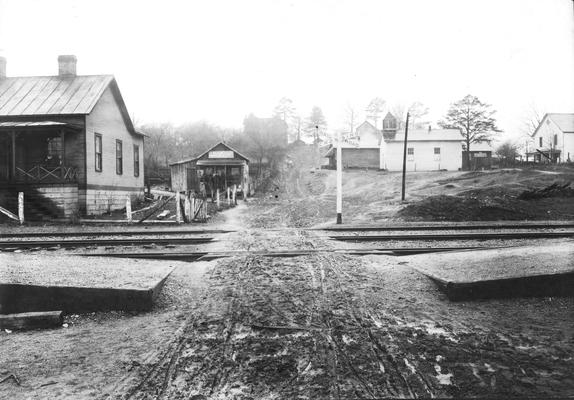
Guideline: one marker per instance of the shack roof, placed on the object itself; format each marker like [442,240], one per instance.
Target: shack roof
[188,160]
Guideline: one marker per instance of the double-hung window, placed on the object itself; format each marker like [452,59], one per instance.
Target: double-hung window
[136,160]
[437,153]
[98,152]
[119,158]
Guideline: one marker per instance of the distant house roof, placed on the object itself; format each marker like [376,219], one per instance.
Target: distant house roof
[344,145]
[481,146]
[57,95]
[425,135]
[565,121]
[366,124]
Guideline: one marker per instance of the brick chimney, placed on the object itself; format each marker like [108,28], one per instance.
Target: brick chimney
[2,67]
[67,65]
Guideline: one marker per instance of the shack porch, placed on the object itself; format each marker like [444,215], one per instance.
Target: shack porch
[219,168]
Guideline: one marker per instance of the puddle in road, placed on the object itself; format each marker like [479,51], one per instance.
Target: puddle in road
[443,379]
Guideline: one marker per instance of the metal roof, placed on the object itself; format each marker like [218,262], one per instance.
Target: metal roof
[51,95]
[564,121]
[221,162]
[188,160]
[423,135]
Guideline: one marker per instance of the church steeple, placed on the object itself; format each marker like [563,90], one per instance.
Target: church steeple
[390,123]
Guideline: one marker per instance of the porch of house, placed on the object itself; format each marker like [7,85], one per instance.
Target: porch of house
[545,156]
[37,158]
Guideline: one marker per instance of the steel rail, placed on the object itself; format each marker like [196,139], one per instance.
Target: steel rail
[100,242]
[456,236]
[114,233]
[368,228]
[202,256]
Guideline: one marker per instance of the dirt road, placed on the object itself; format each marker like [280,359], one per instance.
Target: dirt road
[320,326]
[334,326]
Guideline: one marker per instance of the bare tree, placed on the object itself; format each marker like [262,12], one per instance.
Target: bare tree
[375,109]
[416,110]
[350,119]
[265,138]
[316,125]
[507,152]
[530,121]
[286,111]
[474,119]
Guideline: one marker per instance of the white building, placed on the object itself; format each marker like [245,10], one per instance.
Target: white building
[427,150]
[554,139]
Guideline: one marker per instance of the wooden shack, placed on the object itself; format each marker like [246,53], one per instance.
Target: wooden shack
[220,167]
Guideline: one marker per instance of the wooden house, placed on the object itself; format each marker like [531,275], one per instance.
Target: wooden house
[67,142]
[427,150]
[220,167]
[553,139]
[361,149]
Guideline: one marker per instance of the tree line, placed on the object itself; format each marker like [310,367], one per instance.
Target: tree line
[264,140]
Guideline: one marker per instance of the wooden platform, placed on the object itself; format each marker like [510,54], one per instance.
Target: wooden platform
[543,271]
[77,284]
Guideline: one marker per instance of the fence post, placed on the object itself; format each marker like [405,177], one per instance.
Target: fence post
[218,199]
[192,201]
[21,207]
[187,210]
[235,194]
[177,208]
[129,209]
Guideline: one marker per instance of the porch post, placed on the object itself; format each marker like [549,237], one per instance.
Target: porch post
[63,154]
[13,136]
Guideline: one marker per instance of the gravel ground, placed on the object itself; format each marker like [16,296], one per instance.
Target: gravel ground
[99,272]
[555,257]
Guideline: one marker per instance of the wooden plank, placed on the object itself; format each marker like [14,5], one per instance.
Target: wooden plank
[151,212]
[9,214]
[32,320]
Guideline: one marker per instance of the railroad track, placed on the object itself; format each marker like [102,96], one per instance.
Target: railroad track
[68,243]
[207,256]
[125,233]
[454,236]
[452,227]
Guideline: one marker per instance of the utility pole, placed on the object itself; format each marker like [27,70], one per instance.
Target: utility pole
[405,158]
[316,146]
[339,180]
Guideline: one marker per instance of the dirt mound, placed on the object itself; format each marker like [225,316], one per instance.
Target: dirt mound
[452,208]
[554,190]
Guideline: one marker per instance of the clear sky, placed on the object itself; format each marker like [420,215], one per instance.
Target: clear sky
[219,60]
